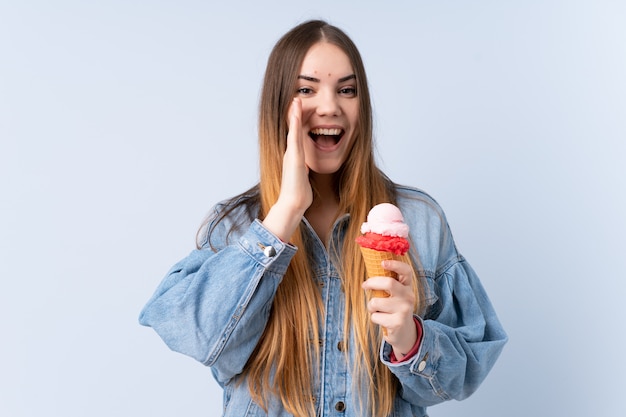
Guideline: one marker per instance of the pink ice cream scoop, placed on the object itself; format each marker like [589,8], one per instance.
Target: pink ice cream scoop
[385,230]
[385,219]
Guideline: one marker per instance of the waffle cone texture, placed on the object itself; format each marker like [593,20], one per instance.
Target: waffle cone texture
[373,259]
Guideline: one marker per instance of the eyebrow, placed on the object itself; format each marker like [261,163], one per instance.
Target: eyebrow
[316,80]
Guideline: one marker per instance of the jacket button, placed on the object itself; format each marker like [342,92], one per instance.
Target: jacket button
[340,406]
[422,365]
[268,251]
[341,346]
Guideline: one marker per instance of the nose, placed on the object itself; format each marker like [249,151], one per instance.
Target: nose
[328,104]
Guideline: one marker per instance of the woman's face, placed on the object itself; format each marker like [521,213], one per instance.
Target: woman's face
[327,87]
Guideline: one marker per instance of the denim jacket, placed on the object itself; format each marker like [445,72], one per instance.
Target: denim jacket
[213,306]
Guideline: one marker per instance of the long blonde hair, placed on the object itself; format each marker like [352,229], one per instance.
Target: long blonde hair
[286,357]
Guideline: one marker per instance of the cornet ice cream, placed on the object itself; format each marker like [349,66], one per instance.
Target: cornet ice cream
[384,238]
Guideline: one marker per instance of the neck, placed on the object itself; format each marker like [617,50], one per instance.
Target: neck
[323,212]
[324,188]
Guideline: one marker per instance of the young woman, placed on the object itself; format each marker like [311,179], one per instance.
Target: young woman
[274,298]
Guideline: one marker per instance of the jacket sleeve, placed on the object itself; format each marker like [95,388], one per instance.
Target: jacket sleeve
[459,345]
[213,306]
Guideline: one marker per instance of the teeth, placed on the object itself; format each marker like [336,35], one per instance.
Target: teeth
[326,132]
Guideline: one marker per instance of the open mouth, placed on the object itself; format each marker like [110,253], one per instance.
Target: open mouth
[326,138]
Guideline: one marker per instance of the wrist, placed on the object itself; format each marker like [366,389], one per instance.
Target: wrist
[282,220]
[400,352]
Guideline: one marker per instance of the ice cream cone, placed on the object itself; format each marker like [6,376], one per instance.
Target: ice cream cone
[373,259]
[385,237]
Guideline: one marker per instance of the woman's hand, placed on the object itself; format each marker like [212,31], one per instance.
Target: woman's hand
[296,194]
[295,189]
[395,313]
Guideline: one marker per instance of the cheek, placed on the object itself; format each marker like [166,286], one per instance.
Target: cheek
[308,147]
[307,112]
[354,115]
[309,154]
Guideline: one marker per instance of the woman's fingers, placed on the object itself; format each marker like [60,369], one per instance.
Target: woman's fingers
[394,313]
[294,136]
[404,280]
[404,271]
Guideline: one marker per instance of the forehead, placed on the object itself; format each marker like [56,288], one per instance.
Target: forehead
[326,59]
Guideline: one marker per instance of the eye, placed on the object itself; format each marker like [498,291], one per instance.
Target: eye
[348,91]
[305,91]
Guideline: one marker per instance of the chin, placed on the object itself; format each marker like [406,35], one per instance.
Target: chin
[325,168]
[323,172]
